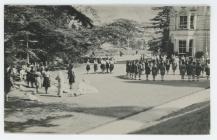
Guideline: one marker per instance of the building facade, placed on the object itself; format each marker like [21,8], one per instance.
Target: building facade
[190,30]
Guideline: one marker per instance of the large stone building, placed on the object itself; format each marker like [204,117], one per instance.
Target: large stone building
[190,29]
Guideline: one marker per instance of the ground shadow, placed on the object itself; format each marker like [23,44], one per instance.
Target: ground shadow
[175,83]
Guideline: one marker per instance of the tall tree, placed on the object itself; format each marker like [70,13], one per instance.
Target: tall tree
[161,24]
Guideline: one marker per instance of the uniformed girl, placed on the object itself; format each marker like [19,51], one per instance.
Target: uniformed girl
[147,69]
[162,70]
[46,82]
[189,70]
[207,69]
[140,69]
[95,66]
[193,71]
[198,70]
[111,65]
[182,69]
[154,70]
[167,65]
[88,66]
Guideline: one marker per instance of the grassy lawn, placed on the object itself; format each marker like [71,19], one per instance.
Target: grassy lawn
[197,122]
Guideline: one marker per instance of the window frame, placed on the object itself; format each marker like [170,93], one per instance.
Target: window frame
[182,46]
[183,22]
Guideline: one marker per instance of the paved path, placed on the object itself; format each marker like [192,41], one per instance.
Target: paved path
[117,99]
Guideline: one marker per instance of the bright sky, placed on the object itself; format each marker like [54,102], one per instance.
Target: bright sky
[107,13]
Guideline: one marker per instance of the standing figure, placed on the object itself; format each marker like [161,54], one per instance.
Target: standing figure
[88,66]
[102,66]
[182,69]
[193,71]
[71,76]
[167,65]
[59,79]
[136,69]
[189,70]
[147,69]
[132,69]
[107,66]
[37,79]
[128,68]
[95,66]
[162,70]
[207,69]
[154,71]
[174,66]
[32,76]
[111,64]
[46,82]
[140,69]
[28,76]
[8,81]
[198,70]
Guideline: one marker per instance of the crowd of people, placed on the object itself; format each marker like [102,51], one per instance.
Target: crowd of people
[36,76]
[192,67]
[106,65]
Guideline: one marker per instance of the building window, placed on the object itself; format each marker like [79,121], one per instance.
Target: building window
[192,22]
[183,22]
[190,47]
[182,46]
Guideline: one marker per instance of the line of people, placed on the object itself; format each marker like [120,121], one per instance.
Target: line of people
[191,67]
[106,66]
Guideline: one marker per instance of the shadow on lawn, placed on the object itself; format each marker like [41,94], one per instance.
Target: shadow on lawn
[174,83]
[34,108]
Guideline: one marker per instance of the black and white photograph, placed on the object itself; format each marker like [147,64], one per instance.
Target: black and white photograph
[131,69]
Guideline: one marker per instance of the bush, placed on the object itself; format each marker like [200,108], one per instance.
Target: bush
[199,54]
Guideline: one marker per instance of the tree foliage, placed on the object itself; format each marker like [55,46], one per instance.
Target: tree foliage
[161,24]
[40,23]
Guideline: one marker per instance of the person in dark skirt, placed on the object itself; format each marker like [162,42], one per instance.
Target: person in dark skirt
[132,69]
[32,76]
[167,65]
[182,69]
[46,82]
[174,66]
[28,75]
[198,70]
[207,70]
[154,70]
[71,76]
[8,81]
[162,70]
[111,65]
[127,68]
[88,66]
[95,66]
[136,69]
[147,69]
[140,69]
[193,71]
[107,66]
[189,70]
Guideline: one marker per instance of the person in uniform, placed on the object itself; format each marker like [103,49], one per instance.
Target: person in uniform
[95,66]
[162,70]
[167,65]
[193,71]
[136,69]
[71,76]
[189,69]
[46,82]
[107,65]
[182,69]
[198,70]
[37,79]
[59,79]
[128,68]
[154,70]
[147,69]
[32,76]
[207,69]
[140,69]
[111,65]
[88,66]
